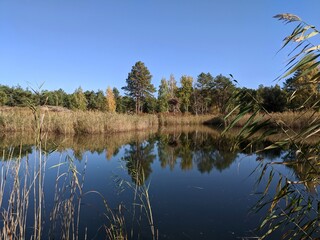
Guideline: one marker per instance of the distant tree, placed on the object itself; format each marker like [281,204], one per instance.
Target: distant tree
[118,98]
[174,103]
[17,96]
[60,97]
[52,98]
[248,97]
[185,92]
[100,100]
[303,87]
[150,105]
[172,86]
[68,101]
[163,96]
[91,100]
[111,104]
[196,102]
[55,98]
[78,100]
[128,104]
[3,98]
[273,98]
[139,85]
[204,85]
[222,90]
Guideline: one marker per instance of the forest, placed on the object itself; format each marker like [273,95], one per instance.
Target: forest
[206,94]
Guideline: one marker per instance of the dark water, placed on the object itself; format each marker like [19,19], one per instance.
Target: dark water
[196,186]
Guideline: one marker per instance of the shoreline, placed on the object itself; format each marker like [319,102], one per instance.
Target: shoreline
[24,120]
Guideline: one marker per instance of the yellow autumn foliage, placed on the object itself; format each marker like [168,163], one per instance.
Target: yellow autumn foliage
[110,101]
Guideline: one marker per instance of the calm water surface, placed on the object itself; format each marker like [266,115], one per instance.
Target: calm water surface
[197,187]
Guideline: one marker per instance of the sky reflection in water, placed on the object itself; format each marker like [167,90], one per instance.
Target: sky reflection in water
[199,189]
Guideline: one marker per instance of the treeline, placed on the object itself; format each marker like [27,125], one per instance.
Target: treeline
[204,95]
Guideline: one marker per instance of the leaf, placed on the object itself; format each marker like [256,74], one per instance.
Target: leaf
[312,49]
[271,175]
[303,38]
[57,165]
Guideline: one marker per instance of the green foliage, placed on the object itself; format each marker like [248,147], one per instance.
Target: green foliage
[60,97]
[202,93]
[16,96]
[128,104]
[100,101]
[91,100]
[78,100]
[118,98]
[172,85]
[185,92]
[3,98]
[150,105]
[222,90]
[163,96]
[273,99]
[95,100]
[139,85]
[248,97]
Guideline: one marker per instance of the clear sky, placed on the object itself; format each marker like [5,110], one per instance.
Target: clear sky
[93,44]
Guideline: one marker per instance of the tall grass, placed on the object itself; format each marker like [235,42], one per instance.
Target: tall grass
[180,119]
[291,208]
[18,120]
[293,120]
[73,122]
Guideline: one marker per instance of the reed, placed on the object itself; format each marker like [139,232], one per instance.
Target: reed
[183,119]
[66,122]
[293,120]
[291,205]
[90,122]
[73,122]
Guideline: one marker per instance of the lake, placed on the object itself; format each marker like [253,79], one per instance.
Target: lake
[181,183]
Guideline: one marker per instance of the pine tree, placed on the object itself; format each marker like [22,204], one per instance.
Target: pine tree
[222,90]
[139,85]
[204,83]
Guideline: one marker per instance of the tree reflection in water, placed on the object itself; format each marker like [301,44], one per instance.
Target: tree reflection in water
[189,148]
[138,157]
[194,149]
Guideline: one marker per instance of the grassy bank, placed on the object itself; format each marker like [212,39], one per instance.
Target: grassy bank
[183,120]
[73,122]
[68,122]
[291,120]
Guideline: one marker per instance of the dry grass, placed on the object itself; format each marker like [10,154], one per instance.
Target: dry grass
[292,120]
[89,122]
[15,120]
[73,122]
[181,119]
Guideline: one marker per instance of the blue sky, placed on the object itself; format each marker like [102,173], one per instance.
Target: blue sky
[94,44]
